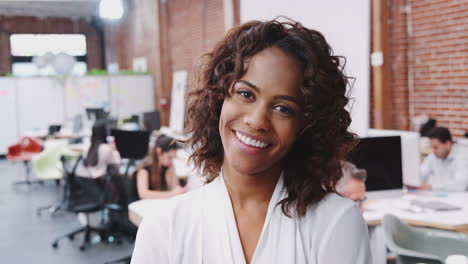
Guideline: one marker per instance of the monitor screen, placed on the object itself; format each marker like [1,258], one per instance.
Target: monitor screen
[410,153]
[54,129]
[151,121]
[131,144]
[381,157]
[96,113]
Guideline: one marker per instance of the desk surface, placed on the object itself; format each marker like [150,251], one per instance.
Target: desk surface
[139,209]
[456,220]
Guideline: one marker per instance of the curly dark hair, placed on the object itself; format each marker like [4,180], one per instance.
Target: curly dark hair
[314,164]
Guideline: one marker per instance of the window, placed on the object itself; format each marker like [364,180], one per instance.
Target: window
[25,46]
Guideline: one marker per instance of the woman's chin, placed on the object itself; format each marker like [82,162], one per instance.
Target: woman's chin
[248,169]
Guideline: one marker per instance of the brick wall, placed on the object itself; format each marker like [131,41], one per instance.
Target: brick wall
[170,34]
[398,48]
[10,25]
[438,60]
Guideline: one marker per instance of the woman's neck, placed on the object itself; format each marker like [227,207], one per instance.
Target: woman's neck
[250,189]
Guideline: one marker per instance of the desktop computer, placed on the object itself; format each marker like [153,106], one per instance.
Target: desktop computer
[131,144]
[410,153]
[151,121]
[381,157]
[96,113]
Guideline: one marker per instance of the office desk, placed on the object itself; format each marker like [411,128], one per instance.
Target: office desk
[65,134]
[401,207]
[139,209]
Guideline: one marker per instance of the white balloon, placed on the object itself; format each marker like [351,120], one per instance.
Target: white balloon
[49,57]
[63,63]
[39,61]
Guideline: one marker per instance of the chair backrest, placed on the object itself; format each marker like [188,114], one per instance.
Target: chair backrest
[406,242]
[14,150]
[84,191]
[131,144]
[47,165]
[31,144]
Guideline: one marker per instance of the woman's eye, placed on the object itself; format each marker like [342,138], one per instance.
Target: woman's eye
[285,110]
[245,94]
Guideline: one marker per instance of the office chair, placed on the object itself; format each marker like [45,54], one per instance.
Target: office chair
[23,152]
[422,245]
[132,145]
[127,187]
[47,165]
[84,196]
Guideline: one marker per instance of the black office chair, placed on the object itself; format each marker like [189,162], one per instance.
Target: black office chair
[84,196]
[132,145]
[127,187]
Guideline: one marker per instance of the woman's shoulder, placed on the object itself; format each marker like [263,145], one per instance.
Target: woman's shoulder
[331,208]
[183,207]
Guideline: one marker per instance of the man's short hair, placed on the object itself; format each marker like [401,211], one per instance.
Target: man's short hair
[440,133]
[350,171]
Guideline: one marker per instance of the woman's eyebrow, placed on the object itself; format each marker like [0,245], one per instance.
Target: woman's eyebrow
[250,85]
[280,97]
[288,98]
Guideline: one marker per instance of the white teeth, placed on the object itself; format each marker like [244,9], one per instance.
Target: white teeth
[250,141]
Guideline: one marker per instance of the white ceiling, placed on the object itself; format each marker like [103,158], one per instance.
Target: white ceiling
[49,8]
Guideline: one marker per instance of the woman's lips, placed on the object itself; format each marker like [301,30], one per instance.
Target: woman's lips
[250,144]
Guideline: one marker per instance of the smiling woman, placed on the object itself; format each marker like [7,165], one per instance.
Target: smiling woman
[269,129]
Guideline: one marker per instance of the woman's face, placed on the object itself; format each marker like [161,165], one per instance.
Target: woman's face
[165,158]
[262,118]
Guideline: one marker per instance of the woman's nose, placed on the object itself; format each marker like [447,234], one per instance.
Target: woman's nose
[258,119]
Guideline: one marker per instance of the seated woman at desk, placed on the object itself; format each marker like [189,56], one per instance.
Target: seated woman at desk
[99,155]
[156,178]
[268,126]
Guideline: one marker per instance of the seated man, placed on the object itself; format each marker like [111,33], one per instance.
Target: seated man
[446,168]
[352,184]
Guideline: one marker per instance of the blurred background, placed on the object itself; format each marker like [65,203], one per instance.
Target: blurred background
[68,66]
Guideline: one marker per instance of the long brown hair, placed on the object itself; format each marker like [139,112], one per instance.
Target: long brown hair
[151,161]
[313,166]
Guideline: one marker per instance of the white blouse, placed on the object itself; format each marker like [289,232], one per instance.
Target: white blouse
[107,155]
[199,227]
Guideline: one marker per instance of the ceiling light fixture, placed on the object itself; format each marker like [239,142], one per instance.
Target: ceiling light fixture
[111,9]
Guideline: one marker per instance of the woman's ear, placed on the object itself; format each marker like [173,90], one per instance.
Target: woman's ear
[158,151]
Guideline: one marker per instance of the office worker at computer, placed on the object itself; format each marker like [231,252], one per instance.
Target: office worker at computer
[99,155]
[446,168]
[352,185]
[269,129]
[156,178]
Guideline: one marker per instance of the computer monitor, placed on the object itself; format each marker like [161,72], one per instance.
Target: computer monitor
[411,154]
[151,121]
[131,144]
[96,113]
[77,123]
[381,157]
[54,129]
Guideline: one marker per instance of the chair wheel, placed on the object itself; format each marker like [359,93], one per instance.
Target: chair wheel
[71,237]
[82,248]
[55,244]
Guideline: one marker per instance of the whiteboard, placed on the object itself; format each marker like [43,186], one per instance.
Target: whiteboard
[85,92]
[131,95]
[8,133]
[40,103]
[179,84]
